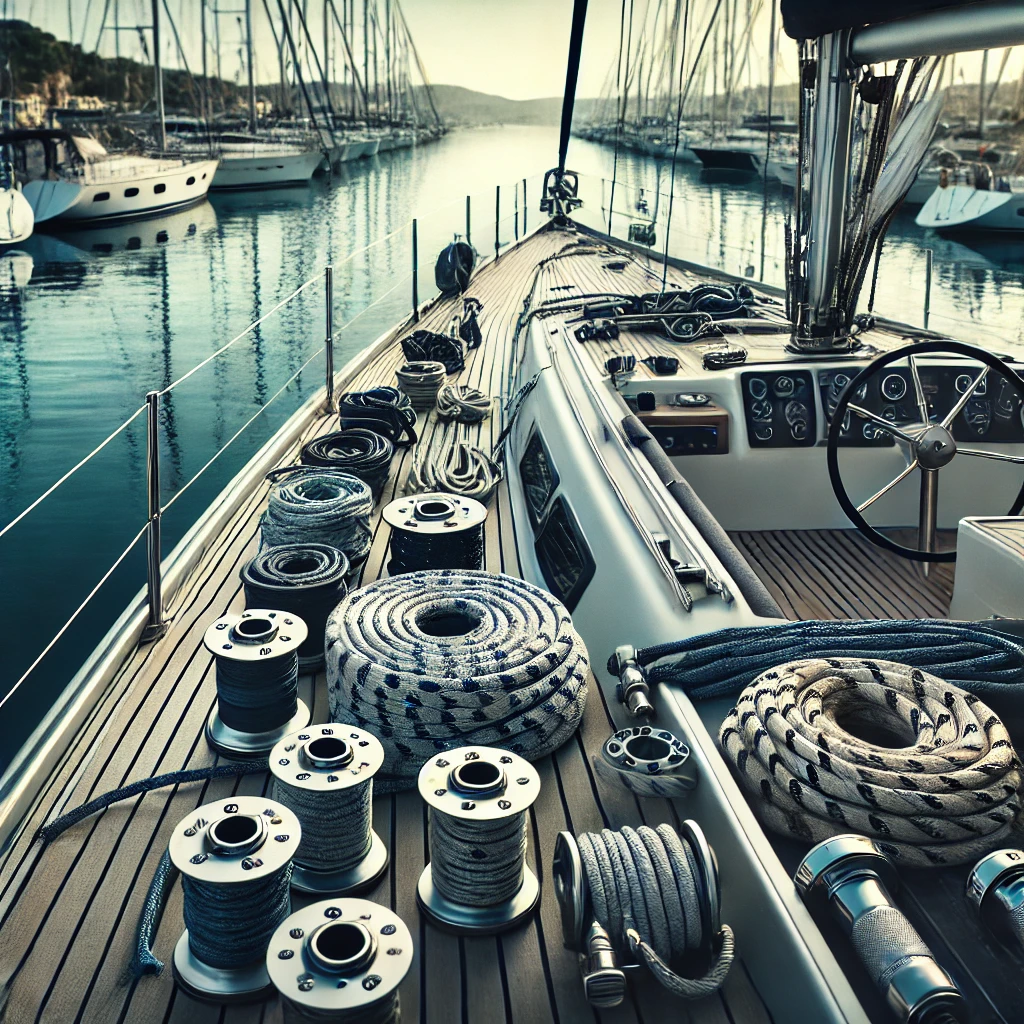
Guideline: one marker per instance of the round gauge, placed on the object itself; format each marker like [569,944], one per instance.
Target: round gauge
[757,387]
[965,380]
[870,431]
[783,387]
[763,433]
[761,411]
[894,387]
[839,381]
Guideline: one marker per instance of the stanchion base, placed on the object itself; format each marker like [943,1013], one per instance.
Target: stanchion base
[244,745]
[247,984]
[463,920]
[360,878]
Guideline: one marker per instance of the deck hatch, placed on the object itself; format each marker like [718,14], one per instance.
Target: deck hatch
[563,554]
[539,476]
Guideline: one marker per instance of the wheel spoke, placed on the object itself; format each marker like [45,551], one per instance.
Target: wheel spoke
[888,424]
[964,398]
[889,486]
[999,456]
[922,402]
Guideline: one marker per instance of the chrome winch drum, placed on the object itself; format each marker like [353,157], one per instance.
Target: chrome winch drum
[255,636]
[230,842]
[340,958]
[647,761]
[328,762]
[484,785]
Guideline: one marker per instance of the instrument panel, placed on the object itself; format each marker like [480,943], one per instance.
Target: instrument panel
[779,408]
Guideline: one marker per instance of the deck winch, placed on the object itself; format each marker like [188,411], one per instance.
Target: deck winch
[477,881]
[324,774]
[341,960]
[435,531]
[257,669]
[235,857]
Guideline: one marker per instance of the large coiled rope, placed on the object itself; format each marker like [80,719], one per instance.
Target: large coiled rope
[454,466]
[357,450]
[463,403]
[384,410]
[319,506]
[643,886]
[429,661]
[939,787]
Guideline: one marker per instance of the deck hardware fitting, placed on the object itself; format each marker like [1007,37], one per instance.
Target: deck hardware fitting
[633,689]
[852,876]
[995,889]
[322,772]
[648,762]
[341,960]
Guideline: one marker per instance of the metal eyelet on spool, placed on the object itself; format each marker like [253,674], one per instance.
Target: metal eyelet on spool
[647,761]
[478,881]
[435,530]
[341,960]
[324,773]
[256,653]
[995,889]
[234,856]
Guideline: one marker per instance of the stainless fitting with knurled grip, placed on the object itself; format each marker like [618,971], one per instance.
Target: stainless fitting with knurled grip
[995,889]
[852,876]
[633,689]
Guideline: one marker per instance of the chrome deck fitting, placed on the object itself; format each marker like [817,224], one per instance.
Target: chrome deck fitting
[995,889]
[647,761]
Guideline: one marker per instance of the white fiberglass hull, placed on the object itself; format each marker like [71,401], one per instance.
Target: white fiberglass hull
[121,193]
[965,208]
[266,170]
[16,217]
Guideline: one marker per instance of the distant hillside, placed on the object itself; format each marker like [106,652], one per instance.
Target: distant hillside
[458,105]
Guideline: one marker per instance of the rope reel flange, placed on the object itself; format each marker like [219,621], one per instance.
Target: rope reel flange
[234,856]
[478,881]
[324,773]
[647,761]
[257,668]
[341,960]
[435,531]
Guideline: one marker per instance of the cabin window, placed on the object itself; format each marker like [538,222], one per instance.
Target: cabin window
[190,180]
[161,236]
[563,554]
[159,188]
[130,192]
[1020,211]
[101,197]
[539,476]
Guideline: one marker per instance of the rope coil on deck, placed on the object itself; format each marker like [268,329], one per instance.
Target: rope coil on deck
[421,380]
[454,466]
[940,786]
[356,450]
[433,660]
[463,403]
[384,410]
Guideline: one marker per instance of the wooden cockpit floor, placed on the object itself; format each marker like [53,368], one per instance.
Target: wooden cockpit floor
[69,913]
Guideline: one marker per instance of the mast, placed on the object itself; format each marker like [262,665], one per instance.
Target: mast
[205,95]
[327,53]
[158,76]
[249,63]
[366,51]
[981,96]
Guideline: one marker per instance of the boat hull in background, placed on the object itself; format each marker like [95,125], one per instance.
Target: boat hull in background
[714,159]
[266,170]
[966,208]
[16,217]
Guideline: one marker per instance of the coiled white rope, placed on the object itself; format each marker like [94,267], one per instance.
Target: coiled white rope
[941,789]
[454,466]
[429,661]
[643,887]
[420,381]
[320,506]
[462,403]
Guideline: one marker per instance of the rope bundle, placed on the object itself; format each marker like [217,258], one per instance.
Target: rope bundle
[454,466]
[257,696]
[938,788]
[384,410]
[321,507]
[643,885]
[412,552]
[421,380]
[428,661]
[357,450]
[427,345]
[462,403]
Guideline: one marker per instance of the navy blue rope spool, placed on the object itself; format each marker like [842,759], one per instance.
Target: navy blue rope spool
[258,696]
[357,450]
[460,549]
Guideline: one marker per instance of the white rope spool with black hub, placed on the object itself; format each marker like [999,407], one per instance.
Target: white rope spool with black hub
[429,661]
[257,669]
[324,773]
[478,881]
[234,856]
[435,531]
[341,960]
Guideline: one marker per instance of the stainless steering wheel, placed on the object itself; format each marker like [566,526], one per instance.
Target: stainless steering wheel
[928,444]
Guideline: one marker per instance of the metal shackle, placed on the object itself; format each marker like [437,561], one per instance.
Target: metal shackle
[995,889]
[853,877]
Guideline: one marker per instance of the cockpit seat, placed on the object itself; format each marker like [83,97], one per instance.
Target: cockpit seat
[989,569]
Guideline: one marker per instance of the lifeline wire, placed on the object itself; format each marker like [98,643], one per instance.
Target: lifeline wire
[421,380]
[323,507]
[462,403]
[357,450]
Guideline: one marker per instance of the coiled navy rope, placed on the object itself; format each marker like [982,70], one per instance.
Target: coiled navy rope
[462,403]
[257,696]
[454,466]
[384,410]
[307,579]
[940,788]
[385,1011]
[231,925]
[356,450]
[643,886]
[458,549]
[427,345]
[320,506]
[421,380]
[429,661]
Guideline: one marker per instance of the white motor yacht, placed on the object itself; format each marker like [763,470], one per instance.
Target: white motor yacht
[16,220]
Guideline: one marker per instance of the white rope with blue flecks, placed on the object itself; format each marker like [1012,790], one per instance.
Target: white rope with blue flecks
[429,661]
[947,796]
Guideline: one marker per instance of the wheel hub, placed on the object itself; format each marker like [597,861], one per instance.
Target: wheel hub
[935,448]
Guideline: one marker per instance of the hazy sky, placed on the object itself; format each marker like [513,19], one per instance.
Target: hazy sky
[514,48]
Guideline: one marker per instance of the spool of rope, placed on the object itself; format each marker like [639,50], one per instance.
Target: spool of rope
[257,671]
[341,961]
[420,380]
[477,881]
[384,410]
[935,781]
[462,403]
[434,660]
[455,467]
[235,862]
[646,893]
[319,506]
[324,773]
[361,452]
[307,579]
[435,531]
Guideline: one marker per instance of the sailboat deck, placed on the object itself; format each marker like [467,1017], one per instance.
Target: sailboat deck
[69,912]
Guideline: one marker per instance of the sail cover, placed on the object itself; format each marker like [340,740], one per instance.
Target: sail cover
[808,19]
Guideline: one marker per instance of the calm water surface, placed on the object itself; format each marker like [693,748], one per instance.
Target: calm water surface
[92,320]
